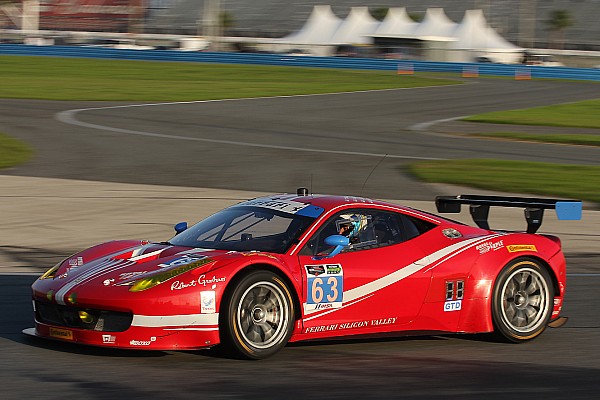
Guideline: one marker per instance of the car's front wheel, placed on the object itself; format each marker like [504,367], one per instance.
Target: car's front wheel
[258,316]
[522,300]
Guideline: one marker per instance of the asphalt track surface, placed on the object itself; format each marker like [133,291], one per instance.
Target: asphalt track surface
[328,142]
[561,363]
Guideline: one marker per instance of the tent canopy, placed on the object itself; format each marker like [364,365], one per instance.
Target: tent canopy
[324,28]
[356,28]
[318,29]
[396,22]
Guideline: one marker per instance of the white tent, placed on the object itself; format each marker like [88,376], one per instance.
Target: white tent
[476,38]
[435,26]
[318,29]
[396,22]
[436,38]
[357,28]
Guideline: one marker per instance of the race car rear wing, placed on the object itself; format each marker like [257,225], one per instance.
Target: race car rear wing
[479,207]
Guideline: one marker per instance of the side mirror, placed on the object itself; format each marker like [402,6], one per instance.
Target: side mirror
[180,227]
[339,242]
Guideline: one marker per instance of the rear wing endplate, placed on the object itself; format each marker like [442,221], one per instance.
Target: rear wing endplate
[479,207]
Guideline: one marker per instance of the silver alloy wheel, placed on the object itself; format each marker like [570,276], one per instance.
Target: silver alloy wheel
[525,300]
[263,315]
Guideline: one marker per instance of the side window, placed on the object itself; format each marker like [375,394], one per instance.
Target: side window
[413,227]
[366,229]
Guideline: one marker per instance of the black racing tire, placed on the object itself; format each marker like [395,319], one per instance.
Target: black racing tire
[257,317]
[523,300]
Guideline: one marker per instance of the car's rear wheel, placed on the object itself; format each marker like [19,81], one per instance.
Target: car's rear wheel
[522,300]
[259,316]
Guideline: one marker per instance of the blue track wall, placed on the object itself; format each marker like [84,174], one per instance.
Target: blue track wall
[304,61]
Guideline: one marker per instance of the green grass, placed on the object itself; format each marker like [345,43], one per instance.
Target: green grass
[13,152]
[569,181]
[120,80]
[586,140]
[583,114]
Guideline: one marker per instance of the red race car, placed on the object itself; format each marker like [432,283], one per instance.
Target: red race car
[286,268]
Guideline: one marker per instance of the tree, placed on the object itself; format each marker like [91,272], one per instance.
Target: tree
[226,20]
[559,21]
[379,13]
[416,16]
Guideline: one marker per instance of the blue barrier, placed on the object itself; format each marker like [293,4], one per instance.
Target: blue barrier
[518,71]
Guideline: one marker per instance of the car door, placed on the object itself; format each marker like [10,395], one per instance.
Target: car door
[378,282]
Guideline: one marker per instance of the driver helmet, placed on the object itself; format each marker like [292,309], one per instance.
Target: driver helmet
[348,225]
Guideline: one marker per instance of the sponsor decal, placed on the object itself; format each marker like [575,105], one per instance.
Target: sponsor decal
[208,302]
[129,275]
[143,342]
[557,301]
[514,248]
[201,281]
[257,253]
[61,333]
[290,207]
[109,339]
[75,262]
[315,270]
[107,282]
[334,269]
[454,305]
[489,246]
[351,325]
[183,260]
[325,286]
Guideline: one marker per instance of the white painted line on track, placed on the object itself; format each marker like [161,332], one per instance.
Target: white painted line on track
[423,126]
[583,275]
[69,117]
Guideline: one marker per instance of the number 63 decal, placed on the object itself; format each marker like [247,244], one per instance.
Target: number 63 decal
[325,284]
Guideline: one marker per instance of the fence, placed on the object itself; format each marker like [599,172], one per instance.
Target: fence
[468,69]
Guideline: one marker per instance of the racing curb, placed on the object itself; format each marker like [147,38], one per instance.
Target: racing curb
[47,219]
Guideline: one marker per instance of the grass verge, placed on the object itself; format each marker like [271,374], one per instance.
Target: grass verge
[13,152]
[52,78]
[585,140]
[583,114]
[569,181]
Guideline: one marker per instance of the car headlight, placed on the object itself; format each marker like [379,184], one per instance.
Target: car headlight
[160,277]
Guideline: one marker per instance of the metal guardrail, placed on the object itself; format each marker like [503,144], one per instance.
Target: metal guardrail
[401,66]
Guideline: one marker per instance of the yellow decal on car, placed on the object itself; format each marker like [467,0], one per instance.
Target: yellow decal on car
[514,248]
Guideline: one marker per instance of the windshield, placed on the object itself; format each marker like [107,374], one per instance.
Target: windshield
[246,229]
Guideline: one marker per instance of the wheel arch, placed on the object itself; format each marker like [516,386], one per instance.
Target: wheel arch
[543,263]
[264,267]
[503,333]
[466,323]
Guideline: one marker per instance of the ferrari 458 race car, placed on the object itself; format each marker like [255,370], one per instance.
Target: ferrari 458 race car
[286,268]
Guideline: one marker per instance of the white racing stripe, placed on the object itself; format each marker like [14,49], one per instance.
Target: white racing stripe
[106,267]
[187,320]
[445,253]
[431,261]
